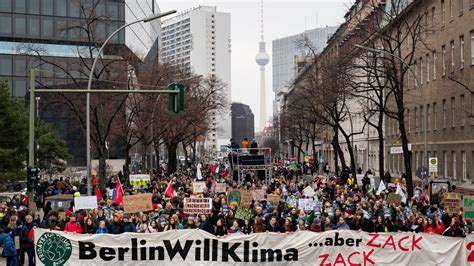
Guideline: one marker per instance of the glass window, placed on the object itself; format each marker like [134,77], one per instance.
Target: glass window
[74,8]
[61,8]
[47,27]
[453,155]
[472,47]
[461,42]
[100,10]
[453,111]
[6,65]
[73,31]
[112,10]
[6,5]
[60,29]
[20,25]
[19,66]
[19,87]
[100,31]
[47,7]
[20,6]
[111,27]
[6,22]
[443,59]
[34,7]
[34,26]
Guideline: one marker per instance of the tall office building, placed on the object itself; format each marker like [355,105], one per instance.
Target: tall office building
[200,39]
[242,122]
[288,57]
[48,26]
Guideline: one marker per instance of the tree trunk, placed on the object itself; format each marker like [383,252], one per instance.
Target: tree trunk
[186,157]
[406,159]
[102,169]
[193,148]
[351,156]
[126,166]
[157,155]
[338,150]
[381,150]
[144,155]
[299,149]
[172,161]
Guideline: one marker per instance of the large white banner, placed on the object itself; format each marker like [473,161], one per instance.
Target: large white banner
[195,247]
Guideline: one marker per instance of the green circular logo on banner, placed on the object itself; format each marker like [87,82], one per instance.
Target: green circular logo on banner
[53,249]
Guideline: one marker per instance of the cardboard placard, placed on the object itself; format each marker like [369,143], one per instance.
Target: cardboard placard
[394,199]
[199,187]
[273,198]
[258,194]
[244,213]
[306,204]
[221,188]
[452,202]
[85,202]
[197,206]
[137,203]
[138,181]
[308,191]
[468,208]
[241,197]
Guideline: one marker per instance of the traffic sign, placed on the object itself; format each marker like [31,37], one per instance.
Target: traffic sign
[433,165]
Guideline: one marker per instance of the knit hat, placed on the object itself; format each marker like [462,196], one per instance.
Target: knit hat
[68,212]
[126,216]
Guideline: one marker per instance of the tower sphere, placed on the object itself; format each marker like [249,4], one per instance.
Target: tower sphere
[262,59]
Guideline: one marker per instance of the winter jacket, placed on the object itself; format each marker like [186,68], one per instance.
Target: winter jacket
[116,228]
[206,226]
[101,231]
[129,227]
[26,235]
[438,230]
[9,249]
[73,227]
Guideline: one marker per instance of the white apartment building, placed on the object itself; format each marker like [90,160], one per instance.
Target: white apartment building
[200,39]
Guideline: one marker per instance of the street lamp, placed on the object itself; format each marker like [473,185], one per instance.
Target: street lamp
[88,127]
[417,83]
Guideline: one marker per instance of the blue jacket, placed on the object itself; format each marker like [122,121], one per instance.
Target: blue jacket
[9,249]
[129,227]
[102,231]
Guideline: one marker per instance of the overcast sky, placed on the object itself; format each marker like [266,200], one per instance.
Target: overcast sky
[282,19]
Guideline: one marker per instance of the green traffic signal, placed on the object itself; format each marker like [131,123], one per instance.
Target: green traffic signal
[176,101]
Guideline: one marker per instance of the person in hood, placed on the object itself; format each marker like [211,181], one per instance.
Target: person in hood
[116,227]
[9,249]
[27,241]
[128,226]
[73,226]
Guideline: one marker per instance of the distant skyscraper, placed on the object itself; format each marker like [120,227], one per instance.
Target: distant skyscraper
[262,60]
[287,55]
[242,122]
[200,39]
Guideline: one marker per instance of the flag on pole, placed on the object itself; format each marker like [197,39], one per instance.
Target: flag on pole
[381,187]
[169,192]
[401,193]
[118,197]
[98,194]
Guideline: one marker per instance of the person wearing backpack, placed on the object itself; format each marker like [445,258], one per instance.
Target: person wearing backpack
[27,241]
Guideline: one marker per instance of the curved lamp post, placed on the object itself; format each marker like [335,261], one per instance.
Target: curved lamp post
[88,128]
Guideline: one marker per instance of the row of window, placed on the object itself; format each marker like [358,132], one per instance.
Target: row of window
[449,6]
[426,68]
[41,27]
[65,8]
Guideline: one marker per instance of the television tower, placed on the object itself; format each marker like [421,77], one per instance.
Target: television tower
[262,60]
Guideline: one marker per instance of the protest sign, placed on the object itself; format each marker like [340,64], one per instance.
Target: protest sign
[452,202]
[199,187]
[306,204]
[317,208]
[308,191]
[137,203]
[240,197]
[468,208]
[196,247]
[85,202]
[394,199]
[243,213]
[138,181]
[258,194]
[275,199]
[197,206]
[292,202]
[221,188]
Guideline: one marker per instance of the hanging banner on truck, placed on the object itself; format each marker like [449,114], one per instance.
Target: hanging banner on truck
[191,247]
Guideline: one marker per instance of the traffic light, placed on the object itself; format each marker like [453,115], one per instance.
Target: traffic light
[32,177]
[176,100]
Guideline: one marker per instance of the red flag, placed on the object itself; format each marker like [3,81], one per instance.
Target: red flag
[118,192]
[169,192]
[98,194]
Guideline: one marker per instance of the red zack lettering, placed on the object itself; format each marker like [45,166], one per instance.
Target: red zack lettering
[350,256]
[415,242]
[339,259]
[367,257]
[371,241]
[390,242]
[324,257]
[400,243]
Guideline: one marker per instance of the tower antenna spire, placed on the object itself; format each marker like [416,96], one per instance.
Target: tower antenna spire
[261,19]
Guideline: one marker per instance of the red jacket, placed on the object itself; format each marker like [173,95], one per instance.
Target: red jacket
[438,230]
[73,227]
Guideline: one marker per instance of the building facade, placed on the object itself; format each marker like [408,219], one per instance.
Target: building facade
[288,58]
[200,40]
[29,27]
[242,122]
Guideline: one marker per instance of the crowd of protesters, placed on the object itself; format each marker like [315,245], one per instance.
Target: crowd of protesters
[345,206]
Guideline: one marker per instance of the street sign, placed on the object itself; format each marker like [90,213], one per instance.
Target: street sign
[433,165]
[398,149]
[176,101]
